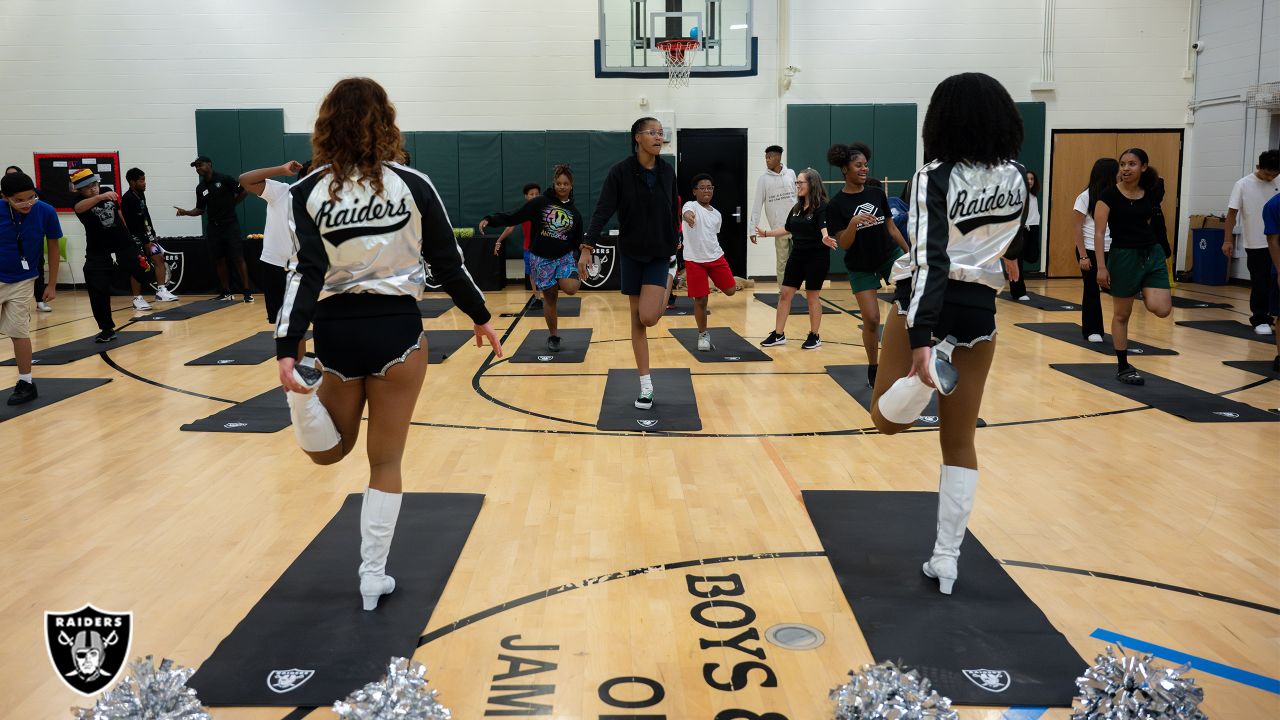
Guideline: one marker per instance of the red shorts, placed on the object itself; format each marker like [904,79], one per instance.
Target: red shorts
[696,274]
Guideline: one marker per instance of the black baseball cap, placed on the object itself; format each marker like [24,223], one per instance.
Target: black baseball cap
[201,159]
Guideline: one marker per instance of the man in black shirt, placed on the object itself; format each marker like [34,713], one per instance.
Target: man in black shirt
[137,217]
[217,195]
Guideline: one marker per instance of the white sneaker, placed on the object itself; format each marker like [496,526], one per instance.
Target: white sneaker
[1025,298]
[905,399]
[140,303]
[43,306]
[704,342]
[163,294]
[1095,338]
[1262,329]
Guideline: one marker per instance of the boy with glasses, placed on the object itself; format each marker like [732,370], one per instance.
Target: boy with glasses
[25,223]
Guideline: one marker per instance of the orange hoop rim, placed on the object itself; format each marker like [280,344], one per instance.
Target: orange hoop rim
[677,47]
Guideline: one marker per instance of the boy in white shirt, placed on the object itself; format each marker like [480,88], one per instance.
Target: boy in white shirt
[703,257]
[278,245]
[1248,196]
[776,195]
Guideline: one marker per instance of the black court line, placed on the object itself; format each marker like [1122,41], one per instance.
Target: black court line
[115,366]
[1146,583]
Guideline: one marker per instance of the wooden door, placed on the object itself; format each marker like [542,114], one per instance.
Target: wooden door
[1073,155]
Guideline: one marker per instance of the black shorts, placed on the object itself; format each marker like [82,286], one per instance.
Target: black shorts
[358,335]
[226,240]
[636,272]
[808,266]
[968,324]
[273,281]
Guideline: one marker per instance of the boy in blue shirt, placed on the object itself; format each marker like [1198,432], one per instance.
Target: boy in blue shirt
[25,222]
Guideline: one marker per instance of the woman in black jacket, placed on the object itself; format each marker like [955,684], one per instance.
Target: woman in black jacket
[557,233]
[642,190]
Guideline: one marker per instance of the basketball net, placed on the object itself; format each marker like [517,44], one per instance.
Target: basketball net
[678,55]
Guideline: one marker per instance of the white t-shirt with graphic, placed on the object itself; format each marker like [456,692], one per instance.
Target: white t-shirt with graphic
[1082,207]
[277,238]
[702,239]
[1247,198]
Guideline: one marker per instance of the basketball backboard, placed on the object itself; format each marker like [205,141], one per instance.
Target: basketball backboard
[631,29]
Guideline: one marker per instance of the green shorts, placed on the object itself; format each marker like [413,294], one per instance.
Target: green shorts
[1135,268]
[862,280]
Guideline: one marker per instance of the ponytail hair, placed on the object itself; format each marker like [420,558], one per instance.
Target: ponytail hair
[636,127]
[1101,177]
[841,155]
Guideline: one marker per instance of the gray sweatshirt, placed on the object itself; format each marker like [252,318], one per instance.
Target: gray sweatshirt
[776,192]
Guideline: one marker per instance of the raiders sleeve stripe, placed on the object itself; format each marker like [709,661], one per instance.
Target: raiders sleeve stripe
[932,260]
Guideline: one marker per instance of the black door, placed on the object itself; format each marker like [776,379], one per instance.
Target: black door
[721,153]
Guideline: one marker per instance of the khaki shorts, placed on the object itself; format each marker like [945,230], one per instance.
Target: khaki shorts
[15,308]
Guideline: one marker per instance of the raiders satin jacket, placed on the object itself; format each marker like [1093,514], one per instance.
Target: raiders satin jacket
[367,243]
[963,218]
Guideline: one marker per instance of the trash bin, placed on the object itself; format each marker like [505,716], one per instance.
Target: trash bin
[1208,264]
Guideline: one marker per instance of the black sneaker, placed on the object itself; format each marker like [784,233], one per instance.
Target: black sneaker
[248,298]
[24,392]
[774,339]
[226,296]
[811,342]
[1131,376]
[553,343]
[105,336]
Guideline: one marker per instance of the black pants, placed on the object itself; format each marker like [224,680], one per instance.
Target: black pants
[1261,285]
[273,282]
[40,283]
[98,270]
[1091,300]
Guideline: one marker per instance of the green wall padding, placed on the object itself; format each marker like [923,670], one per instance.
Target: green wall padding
[218,138]
[607,148]
[409,141]
[437,155]
[1032,157]
[261,145]
[894,144]
[524,160]
[297,146]
[480,166]
[850,123]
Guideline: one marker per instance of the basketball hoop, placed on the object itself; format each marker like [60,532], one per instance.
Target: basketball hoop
[678,54]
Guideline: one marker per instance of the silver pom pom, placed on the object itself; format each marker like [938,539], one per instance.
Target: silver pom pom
[886,692]
[1132,688]
[149,693]
[402,695]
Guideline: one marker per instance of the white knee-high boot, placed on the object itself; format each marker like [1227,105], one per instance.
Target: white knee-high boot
[312,425]
[378,516]
[957,487]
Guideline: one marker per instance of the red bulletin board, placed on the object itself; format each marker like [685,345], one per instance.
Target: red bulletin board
[53,175]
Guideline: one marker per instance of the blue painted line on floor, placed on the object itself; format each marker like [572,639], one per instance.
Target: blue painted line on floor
[1024,713]
[1244,677]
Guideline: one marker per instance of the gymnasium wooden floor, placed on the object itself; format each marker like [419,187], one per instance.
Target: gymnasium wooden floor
[104,500]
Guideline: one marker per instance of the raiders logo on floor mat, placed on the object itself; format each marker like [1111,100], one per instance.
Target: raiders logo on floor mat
[88,647]
[283,681]
[995,681]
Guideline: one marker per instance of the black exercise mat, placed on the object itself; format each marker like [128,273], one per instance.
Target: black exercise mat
[727,346]
[434,307]
[574,344]
[265,413]
[253,350]
[799,305]
[188,311]
[1041,302]
[682,307]
[1190,303]
[853,380]
[1230,328]
[885,297]
[1257,367]
[1070,333]
[442,344]
[565,307]
[83,348]
[986,644]
[310,622]
[675,407]
[1168,396]
[49,391]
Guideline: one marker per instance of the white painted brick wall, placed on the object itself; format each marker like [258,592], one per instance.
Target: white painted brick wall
[128,75]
